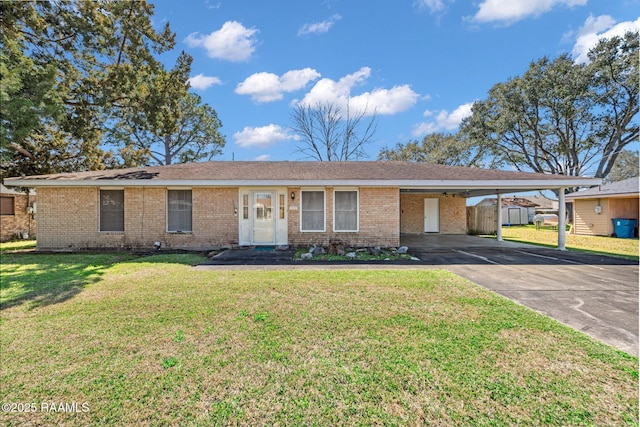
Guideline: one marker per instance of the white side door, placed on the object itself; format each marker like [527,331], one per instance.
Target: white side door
[432,215]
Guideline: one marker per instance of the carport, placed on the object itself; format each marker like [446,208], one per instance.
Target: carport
[471,187]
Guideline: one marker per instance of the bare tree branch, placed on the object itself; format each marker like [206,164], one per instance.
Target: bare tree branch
[326,134]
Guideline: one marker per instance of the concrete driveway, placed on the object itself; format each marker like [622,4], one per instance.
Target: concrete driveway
[595,294]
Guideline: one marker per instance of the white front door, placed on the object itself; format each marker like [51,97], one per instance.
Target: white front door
[263,218]
[432,215]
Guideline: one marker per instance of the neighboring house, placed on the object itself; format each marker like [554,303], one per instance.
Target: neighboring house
[594,209]
[202,205]
[16,214]
[543,205]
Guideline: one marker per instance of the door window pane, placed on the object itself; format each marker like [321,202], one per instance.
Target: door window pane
[263,221]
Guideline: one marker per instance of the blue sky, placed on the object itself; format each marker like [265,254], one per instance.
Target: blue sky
[419,63]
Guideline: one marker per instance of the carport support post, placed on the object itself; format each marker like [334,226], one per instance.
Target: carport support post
[562,221]
[499,218]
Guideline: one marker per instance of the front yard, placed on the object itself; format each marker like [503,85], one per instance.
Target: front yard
[150,341]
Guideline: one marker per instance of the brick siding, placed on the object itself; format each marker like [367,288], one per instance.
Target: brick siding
[378,214]
[453,216]
[69,219]
[12,226]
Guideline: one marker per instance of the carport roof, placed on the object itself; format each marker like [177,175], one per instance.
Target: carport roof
[408,176]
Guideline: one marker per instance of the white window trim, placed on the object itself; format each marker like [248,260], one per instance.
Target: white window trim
[347,189]
[324,209]
[167,210]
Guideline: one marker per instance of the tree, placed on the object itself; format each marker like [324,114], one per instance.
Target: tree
[326,134]
[626,166]
[69,65]
[188,133]
[561,117]
[438,148]
[614,67]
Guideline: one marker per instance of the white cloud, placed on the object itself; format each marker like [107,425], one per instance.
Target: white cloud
[510,11]
[319,27]
[385,101]
[380,101]
[261,137]
[268,87]
[595,29]
[202,82]
[263,158]
[443,120]
[233,42]
[432,5]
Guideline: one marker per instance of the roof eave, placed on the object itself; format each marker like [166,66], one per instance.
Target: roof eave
[497,185]
[602,195]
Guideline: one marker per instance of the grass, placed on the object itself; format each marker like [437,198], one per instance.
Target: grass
[151,341]
[17,245]
[627,248]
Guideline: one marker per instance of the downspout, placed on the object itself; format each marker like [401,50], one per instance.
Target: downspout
[499,218]
[562,221]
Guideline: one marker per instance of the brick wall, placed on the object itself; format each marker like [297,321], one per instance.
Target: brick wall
[378,215]
[69,219]
[13,225]
[453,217]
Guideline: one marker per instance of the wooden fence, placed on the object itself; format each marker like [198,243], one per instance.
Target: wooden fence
[481,220]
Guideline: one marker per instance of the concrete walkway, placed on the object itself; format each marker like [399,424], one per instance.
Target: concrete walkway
[595,294]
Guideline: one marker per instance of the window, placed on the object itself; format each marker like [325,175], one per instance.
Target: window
[7,205]
[179,211]
[111,210]
[312,211]
[345,210]
[282,206]
[245,206]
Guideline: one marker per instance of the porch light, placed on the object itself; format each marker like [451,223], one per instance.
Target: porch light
[293,195]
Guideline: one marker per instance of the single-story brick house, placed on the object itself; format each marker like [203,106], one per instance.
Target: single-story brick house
[201,205]
[17,214]
[594,208]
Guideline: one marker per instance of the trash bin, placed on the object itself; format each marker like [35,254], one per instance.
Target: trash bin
[624,228]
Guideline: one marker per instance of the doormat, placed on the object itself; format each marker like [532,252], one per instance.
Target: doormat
[264,248]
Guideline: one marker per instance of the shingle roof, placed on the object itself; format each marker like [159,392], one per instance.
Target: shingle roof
[542,202]
[407,176]
[626,187]
[508,201]
[292,171]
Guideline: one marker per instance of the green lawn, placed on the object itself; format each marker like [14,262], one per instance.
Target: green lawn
[547,237]
[151,341]
[18,245]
